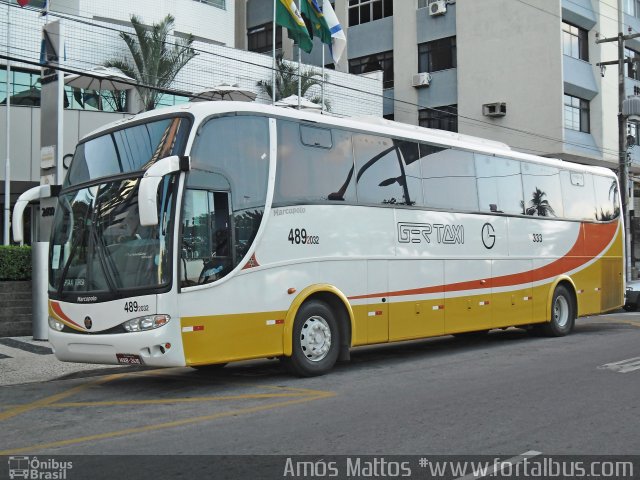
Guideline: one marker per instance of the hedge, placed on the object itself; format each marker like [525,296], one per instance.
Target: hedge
[15,263]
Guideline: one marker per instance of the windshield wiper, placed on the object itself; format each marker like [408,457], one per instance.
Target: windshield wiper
[74,246]
[103,257]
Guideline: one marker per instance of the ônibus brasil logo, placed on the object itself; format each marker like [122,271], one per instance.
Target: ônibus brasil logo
[32,468]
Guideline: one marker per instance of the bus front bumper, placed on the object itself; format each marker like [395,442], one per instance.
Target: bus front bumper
[161,347]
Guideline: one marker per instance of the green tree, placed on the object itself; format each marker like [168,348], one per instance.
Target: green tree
[287,82]
[156,61]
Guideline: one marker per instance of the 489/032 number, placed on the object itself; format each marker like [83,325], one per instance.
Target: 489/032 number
[133,306]
[299,237]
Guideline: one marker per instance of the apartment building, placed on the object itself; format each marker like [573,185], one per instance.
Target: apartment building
[519,71]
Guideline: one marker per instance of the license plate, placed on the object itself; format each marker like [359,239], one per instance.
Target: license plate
[129,359]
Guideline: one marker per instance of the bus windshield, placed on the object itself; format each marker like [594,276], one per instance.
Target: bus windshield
[97,243]
[99,246]
[127,150]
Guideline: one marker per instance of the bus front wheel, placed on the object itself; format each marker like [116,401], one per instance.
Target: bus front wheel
[563,314]
[316,340]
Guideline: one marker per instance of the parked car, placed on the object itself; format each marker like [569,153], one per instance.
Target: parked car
[632,295]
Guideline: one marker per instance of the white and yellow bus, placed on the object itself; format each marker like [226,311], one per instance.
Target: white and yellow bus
[223,231]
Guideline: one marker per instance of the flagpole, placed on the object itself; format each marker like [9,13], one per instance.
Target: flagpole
[299,76]
[322,84]
[273,66]
[7,163]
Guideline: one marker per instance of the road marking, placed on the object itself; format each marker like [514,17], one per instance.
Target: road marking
[622,366]
[27,347]
[160,426]
[249,396]
[44,402]
[502,465]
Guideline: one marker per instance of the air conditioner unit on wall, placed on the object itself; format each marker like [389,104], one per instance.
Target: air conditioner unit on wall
[437,7]
[421,80]
[496,109]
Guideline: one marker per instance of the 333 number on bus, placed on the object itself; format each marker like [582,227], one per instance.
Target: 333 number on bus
[299,236]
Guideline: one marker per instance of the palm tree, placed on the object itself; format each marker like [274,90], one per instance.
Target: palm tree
[287,82]
[538,205]
[156,61]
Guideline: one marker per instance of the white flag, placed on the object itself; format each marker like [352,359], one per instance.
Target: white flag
[338,38]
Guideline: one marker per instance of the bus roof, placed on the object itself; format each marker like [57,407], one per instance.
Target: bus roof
[369,124]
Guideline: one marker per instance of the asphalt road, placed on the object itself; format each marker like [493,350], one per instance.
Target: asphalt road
[504,394]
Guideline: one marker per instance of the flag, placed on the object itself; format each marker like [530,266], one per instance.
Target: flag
[23,3]
[338,38]
[288,16]
[312,12]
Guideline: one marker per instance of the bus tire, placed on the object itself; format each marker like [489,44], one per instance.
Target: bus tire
[316,340]
[563,314]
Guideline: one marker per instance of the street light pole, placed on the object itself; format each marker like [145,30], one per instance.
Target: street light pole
[623,166]
[7,162]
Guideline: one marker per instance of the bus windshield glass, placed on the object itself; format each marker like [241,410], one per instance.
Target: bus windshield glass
[98,245]
[127,150]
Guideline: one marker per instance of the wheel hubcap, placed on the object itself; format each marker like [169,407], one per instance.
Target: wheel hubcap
[561,312]
[315,338]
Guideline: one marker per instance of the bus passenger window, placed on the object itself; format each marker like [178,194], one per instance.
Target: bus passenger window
[447,171]
[315,165]
[542,193]
[499,184]
[380,179]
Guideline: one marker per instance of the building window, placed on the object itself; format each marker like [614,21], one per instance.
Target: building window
[437,55]
[215,3]
[389,116]
[632,7]
[442,118]
[373,63]
[24,87]
[576,114]
[365,11]
[260,38]
[633,128]
[575,42]
[633,69]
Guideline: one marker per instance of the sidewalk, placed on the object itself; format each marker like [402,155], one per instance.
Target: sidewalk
[24,360]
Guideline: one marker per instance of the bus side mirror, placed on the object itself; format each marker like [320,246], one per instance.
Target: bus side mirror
[148,191]
[66,160]
[35,193]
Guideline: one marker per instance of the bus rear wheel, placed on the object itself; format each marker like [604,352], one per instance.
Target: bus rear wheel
[316,340]
[563,314]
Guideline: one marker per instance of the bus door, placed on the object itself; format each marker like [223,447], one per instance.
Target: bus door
[206,236]
[467,295]
[378,306]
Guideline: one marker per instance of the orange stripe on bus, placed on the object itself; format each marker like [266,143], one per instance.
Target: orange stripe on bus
[55,306]
[591,242]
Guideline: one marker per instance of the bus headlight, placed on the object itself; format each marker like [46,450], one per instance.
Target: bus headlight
[148,322]
[56,324]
